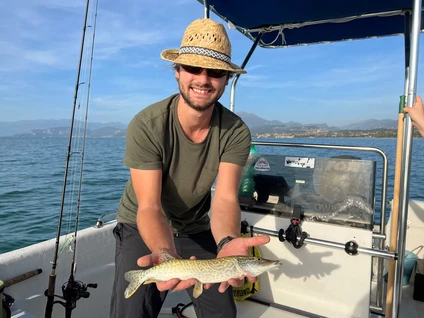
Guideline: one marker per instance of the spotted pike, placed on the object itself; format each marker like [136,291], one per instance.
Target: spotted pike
[204,271]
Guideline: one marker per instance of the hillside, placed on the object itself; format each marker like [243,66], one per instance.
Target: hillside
[260,127]
[259,124]
[25,126]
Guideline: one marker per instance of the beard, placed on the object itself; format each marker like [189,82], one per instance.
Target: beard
[204,106]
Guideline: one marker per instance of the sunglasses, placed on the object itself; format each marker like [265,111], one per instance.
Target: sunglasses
[211,72]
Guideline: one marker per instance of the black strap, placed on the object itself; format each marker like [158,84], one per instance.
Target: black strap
[294,231]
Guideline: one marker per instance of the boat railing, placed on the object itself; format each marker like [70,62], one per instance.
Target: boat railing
[380,235]
[100,220]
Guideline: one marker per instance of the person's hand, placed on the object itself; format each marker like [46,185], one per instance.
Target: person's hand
[236,247]
[417,114]
[175,283]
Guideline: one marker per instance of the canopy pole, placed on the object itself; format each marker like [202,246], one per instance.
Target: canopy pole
[406,154]
[392,277]
[233,84]
[206,8]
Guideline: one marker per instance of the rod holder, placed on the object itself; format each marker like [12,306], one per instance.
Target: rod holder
[350,247]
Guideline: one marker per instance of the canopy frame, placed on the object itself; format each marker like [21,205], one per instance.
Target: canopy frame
[412,30]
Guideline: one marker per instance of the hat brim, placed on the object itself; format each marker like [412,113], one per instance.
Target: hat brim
[172,55]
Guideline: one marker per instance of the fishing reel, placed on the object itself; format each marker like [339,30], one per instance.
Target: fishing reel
[7,303]
[72,291]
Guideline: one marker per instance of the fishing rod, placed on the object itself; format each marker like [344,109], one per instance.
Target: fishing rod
[72,289]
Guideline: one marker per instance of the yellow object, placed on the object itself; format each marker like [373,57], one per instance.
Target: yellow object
[247,289]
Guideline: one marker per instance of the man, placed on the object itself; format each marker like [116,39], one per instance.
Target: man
[175,149]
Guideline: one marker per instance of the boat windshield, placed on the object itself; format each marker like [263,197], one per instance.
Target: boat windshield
[338,190]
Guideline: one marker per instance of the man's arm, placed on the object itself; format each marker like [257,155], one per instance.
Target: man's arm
[226,219]
[225,216]
[151,223]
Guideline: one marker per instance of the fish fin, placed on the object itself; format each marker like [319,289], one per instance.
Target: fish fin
[198,289]
[135,278]
[164,256]
[150,282]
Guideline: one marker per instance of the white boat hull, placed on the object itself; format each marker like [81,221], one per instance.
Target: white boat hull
[313,280]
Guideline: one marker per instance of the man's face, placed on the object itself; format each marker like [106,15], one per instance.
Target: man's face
[200,91]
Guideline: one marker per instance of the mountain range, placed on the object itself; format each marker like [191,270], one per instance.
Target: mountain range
[258,125]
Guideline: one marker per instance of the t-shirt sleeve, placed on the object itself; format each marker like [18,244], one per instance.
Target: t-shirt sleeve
[238,146]
[141,150]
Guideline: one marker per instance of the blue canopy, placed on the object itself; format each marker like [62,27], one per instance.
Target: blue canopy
[300,22]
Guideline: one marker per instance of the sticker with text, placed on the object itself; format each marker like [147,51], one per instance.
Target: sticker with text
[299,162]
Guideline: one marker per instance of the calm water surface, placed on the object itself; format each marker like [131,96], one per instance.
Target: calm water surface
[32,175]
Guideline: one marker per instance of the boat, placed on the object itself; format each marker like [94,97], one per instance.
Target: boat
[336,260]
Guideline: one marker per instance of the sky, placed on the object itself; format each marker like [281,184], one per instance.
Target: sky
[337,84]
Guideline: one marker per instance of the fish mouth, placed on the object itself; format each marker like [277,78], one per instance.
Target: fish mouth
[273,263]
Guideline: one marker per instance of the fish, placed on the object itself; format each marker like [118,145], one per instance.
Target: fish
[215,270]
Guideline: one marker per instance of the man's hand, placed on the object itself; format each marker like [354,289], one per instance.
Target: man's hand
[175,283]
[417,114]
[236,247]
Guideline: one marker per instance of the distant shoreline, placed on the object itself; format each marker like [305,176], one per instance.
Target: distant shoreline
[336,134]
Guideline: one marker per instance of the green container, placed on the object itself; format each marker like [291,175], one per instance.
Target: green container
[247,184]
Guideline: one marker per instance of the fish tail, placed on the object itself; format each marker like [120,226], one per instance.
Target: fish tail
[136,279]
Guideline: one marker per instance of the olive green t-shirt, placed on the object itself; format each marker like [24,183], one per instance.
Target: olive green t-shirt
[155,140]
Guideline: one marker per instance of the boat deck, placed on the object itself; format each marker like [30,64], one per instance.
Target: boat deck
[96,265]
[244,309]
[409,308]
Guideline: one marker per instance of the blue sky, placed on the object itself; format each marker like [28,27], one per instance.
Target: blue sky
[337,83]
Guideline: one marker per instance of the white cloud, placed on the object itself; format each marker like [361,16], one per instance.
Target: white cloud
[143,63]
[373,69]
[134,84]
[116,35]
[254,67]
[39,50]
[47,58]
[120,107]
[46,34]
[346,102]
[265,82]
[33,41]
[63,4]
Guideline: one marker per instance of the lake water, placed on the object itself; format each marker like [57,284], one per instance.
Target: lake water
[32,174]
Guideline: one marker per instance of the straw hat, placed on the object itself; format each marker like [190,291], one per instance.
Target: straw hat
[205,44]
